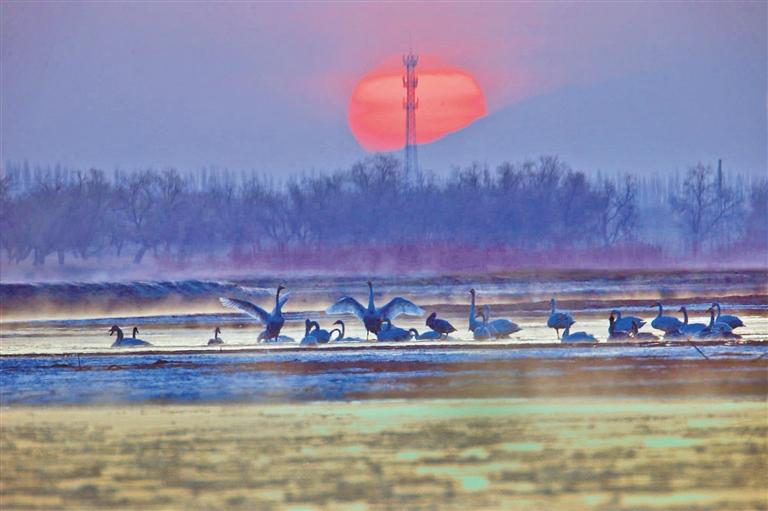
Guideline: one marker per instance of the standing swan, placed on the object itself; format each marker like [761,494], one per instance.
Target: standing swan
[729,319]
[371,316]
[273,322]
[216,339]
[559,320]
[122,342]
[667,324]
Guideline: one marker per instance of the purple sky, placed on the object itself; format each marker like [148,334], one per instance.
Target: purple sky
[266,86]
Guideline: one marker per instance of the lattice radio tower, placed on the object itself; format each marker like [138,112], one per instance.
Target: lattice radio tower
[410,104]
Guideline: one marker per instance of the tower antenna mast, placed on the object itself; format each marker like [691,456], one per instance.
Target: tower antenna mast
[410,105]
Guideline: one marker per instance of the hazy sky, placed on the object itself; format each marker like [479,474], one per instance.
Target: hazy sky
[267,86]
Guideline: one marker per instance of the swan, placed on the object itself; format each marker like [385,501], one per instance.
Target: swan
[667,324]
[624,323]
[614,334]
[309,338]
[122,342]
[643,336]
[371,316]
[717,330]
[729,319]
[559,320]
[577,336]
[273,321]
[429,334]
[342,331]
[499,327]
[440,326]
[473,321]
[216,339]
[389,332]
[482,332]
[322,335]
[690,328]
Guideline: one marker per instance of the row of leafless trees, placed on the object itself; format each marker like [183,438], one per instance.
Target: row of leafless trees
[535,204]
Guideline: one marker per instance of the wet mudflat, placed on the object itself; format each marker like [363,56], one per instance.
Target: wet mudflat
[514,453]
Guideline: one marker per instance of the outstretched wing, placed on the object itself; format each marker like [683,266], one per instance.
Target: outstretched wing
[399,305]
[345,305]
[252,310]
[284,299]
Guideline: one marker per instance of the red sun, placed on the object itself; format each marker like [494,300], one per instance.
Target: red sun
[449,99]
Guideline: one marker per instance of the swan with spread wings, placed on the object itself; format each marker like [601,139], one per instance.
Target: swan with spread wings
[372,316]
[272,321]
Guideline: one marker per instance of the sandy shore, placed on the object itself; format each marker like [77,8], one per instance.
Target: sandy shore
[544,453]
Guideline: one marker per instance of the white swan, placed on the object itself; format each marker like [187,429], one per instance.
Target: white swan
[322,335]
[440,326]
[309,338]
[729,319]
[624,323]
[216,339]
[273,321]
[690,328]
[389,332]
[473,321]
[342,332]
[371,316]
[559,320]
[482,332]
[122,342]
[667,324]
[613,334]
[577,336]
[717,330]
[500,328]
[428,334]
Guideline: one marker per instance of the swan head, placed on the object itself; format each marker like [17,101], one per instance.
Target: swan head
[338,322]
[472,291]
[657,304]
[681,309]
[135,331]
[217,331]
[370,284]
[114,329]
[280,288]
[430,318]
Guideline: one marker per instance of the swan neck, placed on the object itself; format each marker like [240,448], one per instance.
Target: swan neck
[371,306]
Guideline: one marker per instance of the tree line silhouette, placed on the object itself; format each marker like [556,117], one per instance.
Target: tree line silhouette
[540,204]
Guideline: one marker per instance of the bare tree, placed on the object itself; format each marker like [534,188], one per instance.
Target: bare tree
[703,206]
[618,215]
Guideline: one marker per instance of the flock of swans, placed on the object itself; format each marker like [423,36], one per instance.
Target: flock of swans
[379,322]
